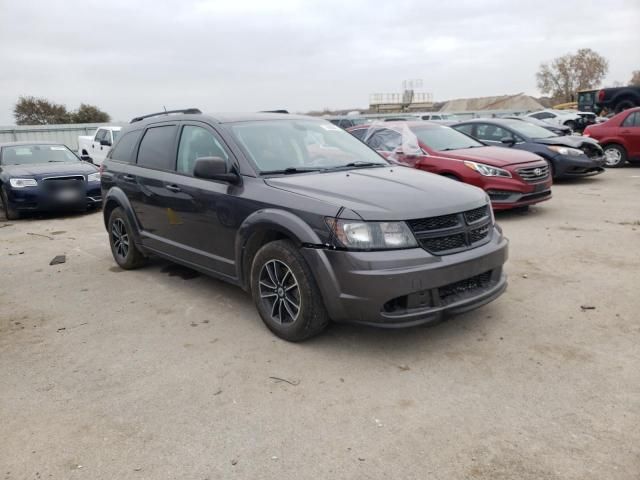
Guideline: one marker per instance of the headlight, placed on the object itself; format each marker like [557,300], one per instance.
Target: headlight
[574,152]
[487,170]
[372,235]
[23,182]
[93,177]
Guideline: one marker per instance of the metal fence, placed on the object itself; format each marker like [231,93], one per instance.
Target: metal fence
[66,134]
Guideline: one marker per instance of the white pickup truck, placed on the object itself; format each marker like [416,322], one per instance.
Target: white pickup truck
[95,148]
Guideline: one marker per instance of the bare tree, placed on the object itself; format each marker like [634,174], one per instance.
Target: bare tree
[39,111]
[635,79]
[565,75]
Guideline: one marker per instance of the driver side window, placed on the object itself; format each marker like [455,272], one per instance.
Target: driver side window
[101,134]
[197,142]
[492,133]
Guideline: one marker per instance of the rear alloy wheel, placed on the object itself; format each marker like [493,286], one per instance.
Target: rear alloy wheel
[9,213]
[285,292]
[615,156]
[123,248]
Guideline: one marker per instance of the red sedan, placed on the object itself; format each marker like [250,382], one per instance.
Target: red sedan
[511,178]
[619,137]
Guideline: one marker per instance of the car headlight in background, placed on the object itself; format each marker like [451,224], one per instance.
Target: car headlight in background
[372,235]
[487,170]
[23,182]
[93,177]
[574,152]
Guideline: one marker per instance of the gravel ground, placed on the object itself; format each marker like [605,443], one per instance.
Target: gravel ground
[163,374]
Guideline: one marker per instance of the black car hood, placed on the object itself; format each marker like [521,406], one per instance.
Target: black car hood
[573,141]
[40,170]
[397,193]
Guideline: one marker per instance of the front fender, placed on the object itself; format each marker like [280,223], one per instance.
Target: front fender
[271,219]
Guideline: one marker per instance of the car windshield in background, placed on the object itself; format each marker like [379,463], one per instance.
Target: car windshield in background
[291,146]
[116,134]
[444,138]
[30,154]
[528,129]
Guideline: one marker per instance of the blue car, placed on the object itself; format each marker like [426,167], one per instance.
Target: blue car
[44,176]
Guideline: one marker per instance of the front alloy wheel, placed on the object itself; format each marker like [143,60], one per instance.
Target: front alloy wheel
[285,292]
[280,292]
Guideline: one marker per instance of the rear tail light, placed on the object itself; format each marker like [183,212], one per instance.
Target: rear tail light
[601,95]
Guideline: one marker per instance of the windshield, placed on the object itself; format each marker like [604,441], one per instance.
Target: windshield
[529,129]
[301,145]
[29,154]
[116,134]
[444,138]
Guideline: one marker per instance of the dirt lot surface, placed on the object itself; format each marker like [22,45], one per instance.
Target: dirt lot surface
[162,374]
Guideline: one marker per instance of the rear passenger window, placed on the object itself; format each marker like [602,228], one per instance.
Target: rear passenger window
[157,148]
[124,150]
[197,142]
[632,120]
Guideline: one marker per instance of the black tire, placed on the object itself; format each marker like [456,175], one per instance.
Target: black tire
[9,213]
[280,280]
[615,156]
[123,247]
[624,105]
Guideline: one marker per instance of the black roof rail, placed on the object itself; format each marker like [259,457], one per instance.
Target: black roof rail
[166,112]
[274,111]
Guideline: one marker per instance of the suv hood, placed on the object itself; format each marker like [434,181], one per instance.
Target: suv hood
[494,156]
[389,193]
[38,170]
[567,141]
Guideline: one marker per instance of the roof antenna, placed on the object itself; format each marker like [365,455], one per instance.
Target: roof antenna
[165,109]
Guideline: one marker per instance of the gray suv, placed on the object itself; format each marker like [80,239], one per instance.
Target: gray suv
[312,222]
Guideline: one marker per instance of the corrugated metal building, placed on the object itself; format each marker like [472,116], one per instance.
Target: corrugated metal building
[66,134]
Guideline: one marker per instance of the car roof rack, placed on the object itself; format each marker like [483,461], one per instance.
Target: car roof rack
[166,112]
[274,111]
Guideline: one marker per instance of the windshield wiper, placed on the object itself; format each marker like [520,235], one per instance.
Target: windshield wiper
[290,170]
[361,163]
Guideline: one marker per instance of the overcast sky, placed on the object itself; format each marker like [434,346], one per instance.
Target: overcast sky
[132,57]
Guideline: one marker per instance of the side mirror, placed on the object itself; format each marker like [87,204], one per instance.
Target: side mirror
[105,143]
[86,158]
[215,168]
[508,141]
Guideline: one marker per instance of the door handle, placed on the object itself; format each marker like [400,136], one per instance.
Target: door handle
[625,131]
[128,178]
[173,188]
[93,146]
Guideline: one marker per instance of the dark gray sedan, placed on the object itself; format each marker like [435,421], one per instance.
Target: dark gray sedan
[568,155]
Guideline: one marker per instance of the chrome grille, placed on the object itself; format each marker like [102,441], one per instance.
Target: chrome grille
[453,233]
[534,174]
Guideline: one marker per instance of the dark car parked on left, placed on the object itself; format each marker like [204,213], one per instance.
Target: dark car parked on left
[45,176]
